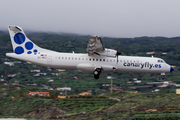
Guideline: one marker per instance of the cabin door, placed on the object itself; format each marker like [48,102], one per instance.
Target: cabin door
[49,60]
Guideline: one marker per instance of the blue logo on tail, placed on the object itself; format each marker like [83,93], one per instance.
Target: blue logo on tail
[19,39]
[19,50]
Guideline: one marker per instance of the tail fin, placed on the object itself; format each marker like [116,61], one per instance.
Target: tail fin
[20,43]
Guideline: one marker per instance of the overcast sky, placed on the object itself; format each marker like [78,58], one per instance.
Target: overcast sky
[110,18]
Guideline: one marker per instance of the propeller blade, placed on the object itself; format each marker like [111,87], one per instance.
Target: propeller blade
[117,58]
[118,46]
[118,53]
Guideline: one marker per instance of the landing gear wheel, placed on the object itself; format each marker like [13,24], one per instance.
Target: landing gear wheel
[96,76]
[163,78]
[97,72]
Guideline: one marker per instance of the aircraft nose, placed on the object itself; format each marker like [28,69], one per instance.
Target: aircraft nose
[171,69]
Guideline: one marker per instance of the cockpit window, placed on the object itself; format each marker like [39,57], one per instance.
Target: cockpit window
[161,61]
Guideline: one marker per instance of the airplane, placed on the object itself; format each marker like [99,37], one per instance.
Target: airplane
[97,60]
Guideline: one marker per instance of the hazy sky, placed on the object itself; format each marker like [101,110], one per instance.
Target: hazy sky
[111,18]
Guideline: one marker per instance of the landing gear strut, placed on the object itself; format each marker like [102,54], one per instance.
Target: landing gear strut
[162,76]
[97,72]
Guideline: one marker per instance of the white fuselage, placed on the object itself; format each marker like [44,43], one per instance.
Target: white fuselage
[89,63]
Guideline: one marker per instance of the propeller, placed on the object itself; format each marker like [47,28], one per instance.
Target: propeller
[118,53]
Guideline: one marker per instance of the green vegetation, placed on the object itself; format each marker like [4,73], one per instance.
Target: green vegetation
[84,105]
[122,105]
[134,105]
[22,105]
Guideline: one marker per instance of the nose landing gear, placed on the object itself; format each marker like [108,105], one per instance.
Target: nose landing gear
[162,76]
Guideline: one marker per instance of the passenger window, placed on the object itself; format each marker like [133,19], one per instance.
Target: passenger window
[59,57]
[96,59]
[79,58]
[110,60]
[69,58]
[75,58]
[100,59]
[65,57]
[90,59]
[62,57]
[93,59]
[103,59]
[72,58]
[113,60]
[82,58]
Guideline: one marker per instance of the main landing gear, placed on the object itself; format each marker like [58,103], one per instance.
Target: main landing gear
[97,72]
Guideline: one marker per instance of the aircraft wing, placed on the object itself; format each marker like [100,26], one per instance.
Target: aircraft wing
[95,45]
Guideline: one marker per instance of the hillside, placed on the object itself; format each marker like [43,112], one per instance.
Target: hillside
[15,102]
[117,106]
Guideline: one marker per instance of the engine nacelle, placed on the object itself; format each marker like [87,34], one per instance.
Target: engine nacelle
[91,67]
[108,53]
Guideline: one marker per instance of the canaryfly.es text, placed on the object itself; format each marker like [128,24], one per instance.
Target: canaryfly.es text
[141,65]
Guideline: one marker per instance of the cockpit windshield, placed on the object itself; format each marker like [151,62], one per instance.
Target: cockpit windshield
[161,61]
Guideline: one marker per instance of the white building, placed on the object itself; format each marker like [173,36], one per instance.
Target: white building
[166,82]
[51,81]
[9,63]
[137,81]
[65,88]
[35,70]
[156,90]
